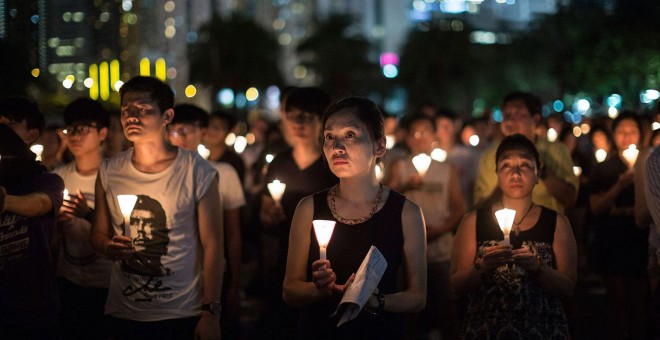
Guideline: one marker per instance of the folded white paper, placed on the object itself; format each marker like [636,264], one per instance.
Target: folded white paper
[366,280]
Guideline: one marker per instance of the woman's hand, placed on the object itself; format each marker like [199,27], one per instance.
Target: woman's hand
[494,257]
[324,279]
[525,259]
[76,206]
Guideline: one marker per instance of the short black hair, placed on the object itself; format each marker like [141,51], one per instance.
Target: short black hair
[308,99]
[224,116]
[366,112]
[190,114]
[85,110]
[408,121]
[158,91]
[445,113]
[531,102]
[19,108]
[517,142]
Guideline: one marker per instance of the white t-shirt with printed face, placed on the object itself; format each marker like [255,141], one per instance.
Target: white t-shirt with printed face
[77,261]
[164,278]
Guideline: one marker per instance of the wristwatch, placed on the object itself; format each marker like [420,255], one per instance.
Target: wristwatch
[214,307]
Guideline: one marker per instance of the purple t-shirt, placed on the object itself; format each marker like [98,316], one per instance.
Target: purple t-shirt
[28,292]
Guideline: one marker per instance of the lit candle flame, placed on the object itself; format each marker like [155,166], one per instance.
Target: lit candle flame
[552,135]
[323,230]
[577,171]
[276,189]
[505,220]
[126,204]
[38,149]
[630,154]
[65,195]
[203,151]
[439,155]
[422,162]
[600,155]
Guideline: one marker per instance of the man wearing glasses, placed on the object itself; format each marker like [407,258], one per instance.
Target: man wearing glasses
[83,276]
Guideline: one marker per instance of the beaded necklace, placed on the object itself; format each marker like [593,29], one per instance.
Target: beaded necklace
[353,221]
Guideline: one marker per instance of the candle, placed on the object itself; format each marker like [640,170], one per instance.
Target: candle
[505,220]
[203,151]
[38,149]
[323,230]
[552,135]
[600,155]
[439,155]
[630,154]
[276,189]
[65,195]
[422,162]
[390,140]
[126,204]
[240,144]
[269,158]
[577,171]
[379,173]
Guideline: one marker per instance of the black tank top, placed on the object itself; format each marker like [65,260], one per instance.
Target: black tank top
[542,231]
[347,248]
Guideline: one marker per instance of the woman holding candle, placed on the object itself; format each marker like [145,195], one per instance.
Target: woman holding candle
[367,214]
[620,246]
[515,290]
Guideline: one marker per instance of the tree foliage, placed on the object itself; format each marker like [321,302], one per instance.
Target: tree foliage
[235,53]
[339,60]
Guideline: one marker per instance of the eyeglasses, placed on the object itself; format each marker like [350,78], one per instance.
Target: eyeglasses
[81,130]
[304,117]
[182,132]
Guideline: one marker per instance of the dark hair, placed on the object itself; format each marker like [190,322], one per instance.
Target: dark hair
[158,91]
[366,111]
[626,114]
[285,92]
[531,102]
[224,116]
[85,110]
[445,113]
[408,121]
[517,142]
[18,109]
[308,99]
[190,114]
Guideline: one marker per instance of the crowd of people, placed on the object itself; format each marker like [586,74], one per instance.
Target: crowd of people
[205,250]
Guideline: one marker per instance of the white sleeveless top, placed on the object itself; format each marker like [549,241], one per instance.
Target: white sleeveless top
[164,279]
[433,199]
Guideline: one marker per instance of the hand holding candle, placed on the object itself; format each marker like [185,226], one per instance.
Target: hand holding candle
[323,230]
[422,162]
[630,154]
[276,189]
[505,220]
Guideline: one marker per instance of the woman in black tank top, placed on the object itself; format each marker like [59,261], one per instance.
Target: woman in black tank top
[366,214]
[514,290]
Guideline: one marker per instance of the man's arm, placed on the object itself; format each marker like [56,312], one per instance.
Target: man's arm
[211,235]
[29,205]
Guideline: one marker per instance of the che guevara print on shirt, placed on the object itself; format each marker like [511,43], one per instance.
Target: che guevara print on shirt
[149,234]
